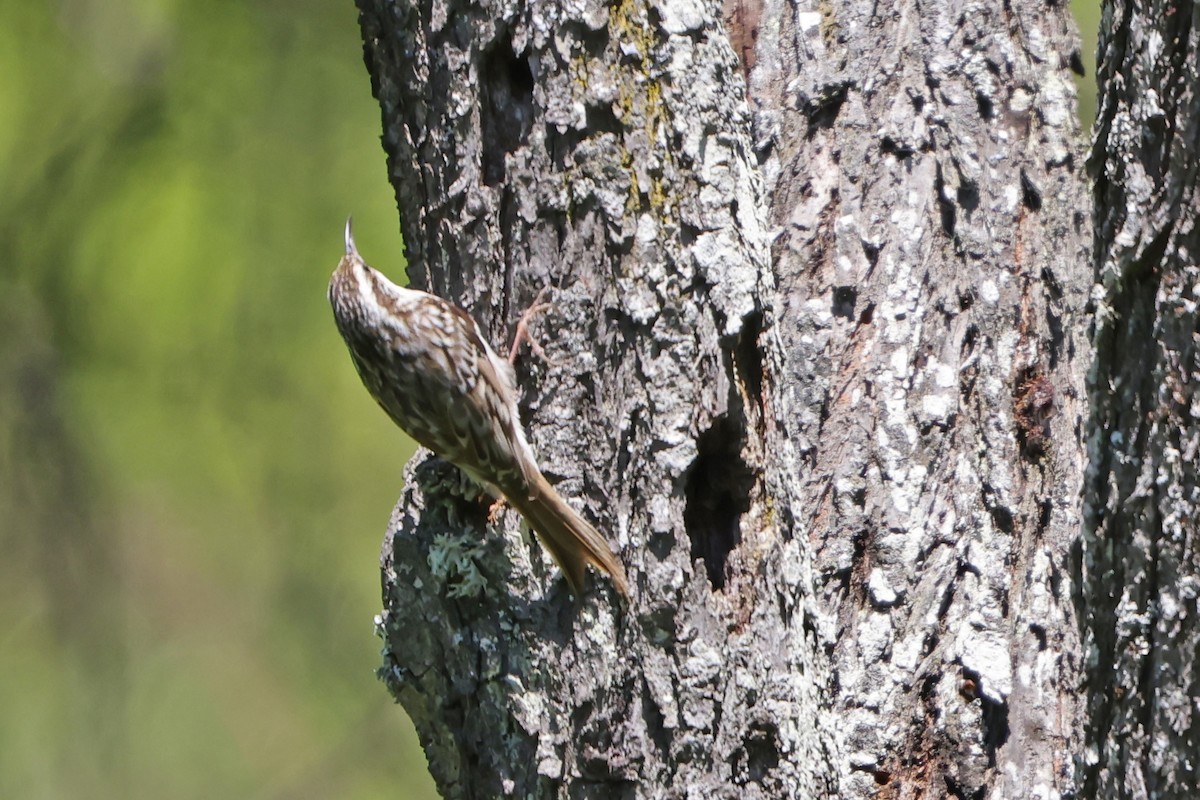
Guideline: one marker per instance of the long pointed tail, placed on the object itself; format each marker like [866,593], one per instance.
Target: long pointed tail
[570,539]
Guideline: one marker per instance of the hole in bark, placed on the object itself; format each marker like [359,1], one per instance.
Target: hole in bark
[995,727]
[506,107]
[987,108]
[1002,517]
[822,109]
[718,493]
[747,357]
[994,715]
[968,196]
[1039,631]
[867,315]
[602,119]
[890,147]
[761,753]
[844,299]
[660,545]
[871,251]
[949,213]
[655,724]
[1030,196]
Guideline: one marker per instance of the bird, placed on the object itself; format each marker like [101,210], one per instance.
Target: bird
[427,364]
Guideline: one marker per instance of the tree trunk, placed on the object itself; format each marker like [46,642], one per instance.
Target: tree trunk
[814,364]
[1141,571]
[932,265]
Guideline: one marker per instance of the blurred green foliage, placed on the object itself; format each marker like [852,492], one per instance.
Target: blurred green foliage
[1087,19]
[193,484]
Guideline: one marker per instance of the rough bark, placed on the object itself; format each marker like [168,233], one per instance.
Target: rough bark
[827,336]
[933,269]
[1140,564]
[605,152]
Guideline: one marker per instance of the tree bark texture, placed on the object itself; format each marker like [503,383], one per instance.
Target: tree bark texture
[603,151]
[1141,571]
[814,364]
[932,261]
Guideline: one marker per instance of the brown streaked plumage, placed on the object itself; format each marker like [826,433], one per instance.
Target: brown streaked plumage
[428,366]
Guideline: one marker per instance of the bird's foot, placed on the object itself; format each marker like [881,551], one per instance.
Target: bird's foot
[522,333]
[496,509]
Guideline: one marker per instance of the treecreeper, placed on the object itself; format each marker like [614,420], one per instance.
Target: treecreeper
[427,364]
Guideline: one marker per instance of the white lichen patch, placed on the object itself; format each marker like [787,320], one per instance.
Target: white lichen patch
[989,292]
[452,560]
[874,637]
[986,652]
[880,590]
[681,16]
